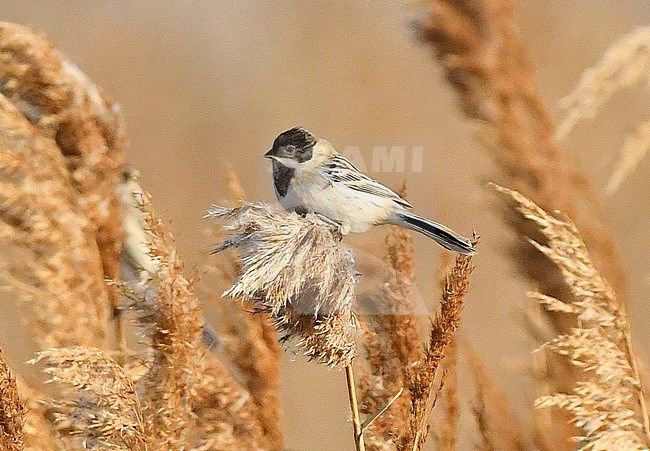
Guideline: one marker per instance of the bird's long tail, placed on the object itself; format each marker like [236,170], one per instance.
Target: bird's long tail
[446,237]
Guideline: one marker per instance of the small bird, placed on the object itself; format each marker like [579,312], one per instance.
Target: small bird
[309,175]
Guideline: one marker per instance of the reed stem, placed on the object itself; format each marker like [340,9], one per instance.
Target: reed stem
[354,407]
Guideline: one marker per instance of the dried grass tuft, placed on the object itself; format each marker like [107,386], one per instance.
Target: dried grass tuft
[296,270]
[62,152]
[105,413]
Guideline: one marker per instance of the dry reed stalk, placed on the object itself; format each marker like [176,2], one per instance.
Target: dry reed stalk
[104,411]
[625,63]
[423,374]
[60,272]
[609,405]
[540,330]
[479,409]
[295,270]
[12,410]
[392,341]
[477,44]
[485,61]
[189,399]
[359,441]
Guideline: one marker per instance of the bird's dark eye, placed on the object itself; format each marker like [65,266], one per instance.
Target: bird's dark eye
[290,149]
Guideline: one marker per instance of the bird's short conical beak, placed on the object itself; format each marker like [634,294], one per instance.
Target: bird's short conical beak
[269,154]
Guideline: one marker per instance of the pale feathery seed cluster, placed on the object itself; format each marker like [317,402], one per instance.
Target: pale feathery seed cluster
[295,269]
[624,64]
[608,405]
[105,411]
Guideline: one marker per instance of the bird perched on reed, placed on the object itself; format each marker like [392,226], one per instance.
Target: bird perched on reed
[309,175]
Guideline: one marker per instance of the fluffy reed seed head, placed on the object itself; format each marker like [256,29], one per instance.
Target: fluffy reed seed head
[60,272]
[105,411]
[295,269]
[188,397]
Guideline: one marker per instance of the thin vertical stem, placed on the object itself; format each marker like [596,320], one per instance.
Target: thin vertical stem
[120,337]
[354,407]
[627,340]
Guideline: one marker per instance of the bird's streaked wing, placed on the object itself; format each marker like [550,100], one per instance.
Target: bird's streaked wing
[340,170]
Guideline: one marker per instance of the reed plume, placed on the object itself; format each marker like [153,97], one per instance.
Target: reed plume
[295,270]
[63,151]
[60,271]
[183,379]
[485,61]
[447,435]
[248,341]
[105,411]
[634,149]
[64,105]
[423,376]
[392,341]
[609,405]
[625,63]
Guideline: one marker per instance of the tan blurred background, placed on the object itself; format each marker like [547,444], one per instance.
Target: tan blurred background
[207,84]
